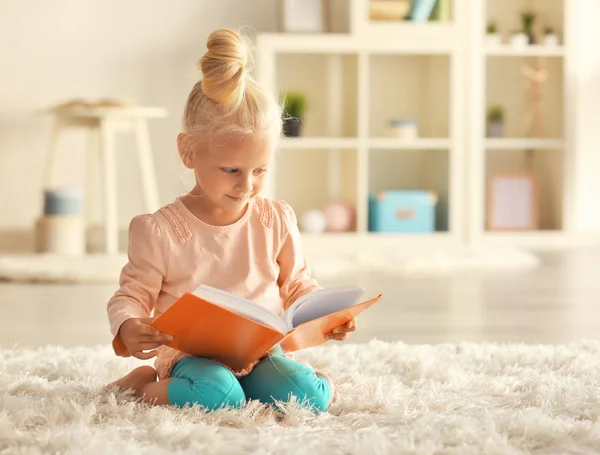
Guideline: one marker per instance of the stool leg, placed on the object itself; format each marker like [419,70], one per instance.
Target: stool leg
[52,153]
[146,166]
[111,234]
[91,172]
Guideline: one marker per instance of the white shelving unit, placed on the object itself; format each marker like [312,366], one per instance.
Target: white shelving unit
[495,78]
[373,143]
[523,144]
[534,50]
[443,75]
[356,82]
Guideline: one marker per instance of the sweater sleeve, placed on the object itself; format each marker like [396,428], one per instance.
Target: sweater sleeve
[295,278]
[141,278]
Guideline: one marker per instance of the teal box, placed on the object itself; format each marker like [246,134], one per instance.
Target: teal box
[402,211]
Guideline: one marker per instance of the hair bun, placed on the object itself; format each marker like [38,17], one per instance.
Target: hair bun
[224,68]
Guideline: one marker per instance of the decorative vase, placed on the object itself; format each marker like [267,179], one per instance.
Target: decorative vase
[339,216]
[63,201]
[291,127]
[495,129]
[313,221]
[551,39]
[493,39]
[531,39]
[519,40]
[404,128]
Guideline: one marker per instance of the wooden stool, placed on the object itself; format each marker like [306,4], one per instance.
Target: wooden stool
[103,121]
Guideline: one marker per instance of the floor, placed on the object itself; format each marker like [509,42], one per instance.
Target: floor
[558,302]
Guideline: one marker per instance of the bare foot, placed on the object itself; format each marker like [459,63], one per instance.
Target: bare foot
[136,380]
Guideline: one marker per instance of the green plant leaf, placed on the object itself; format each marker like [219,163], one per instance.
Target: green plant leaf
[295,104]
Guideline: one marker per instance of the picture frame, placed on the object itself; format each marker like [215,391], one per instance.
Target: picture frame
[303,16]
[513,203]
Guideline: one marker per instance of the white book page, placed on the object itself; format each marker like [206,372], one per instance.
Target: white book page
[320,303]
[241,306]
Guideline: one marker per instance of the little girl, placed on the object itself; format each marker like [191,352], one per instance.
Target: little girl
[222,234]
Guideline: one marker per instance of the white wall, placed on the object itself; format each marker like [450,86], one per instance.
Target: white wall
[144,50]
[586,116]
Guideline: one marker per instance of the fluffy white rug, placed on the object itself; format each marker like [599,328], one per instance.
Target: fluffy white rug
[394,398]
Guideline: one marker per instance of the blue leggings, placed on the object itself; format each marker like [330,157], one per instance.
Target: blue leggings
[196,380]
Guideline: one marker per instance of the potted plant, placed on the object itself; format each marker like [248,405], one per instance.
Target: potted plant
[495,121]
[550,37]
[528,18]
[493,38]
[294,105]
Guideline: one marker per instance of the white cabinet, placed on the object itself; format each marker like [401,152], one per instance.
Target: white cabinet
[442,76]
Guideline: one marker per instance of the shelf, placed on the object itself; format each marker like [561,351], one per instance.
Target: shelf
[523,143]
[427,102]
[358,82]
[506,87]
[374,235]
[546,169]
[349,247]
[405,38]
[316,43]
[411,37]
[310,178]
[410,144]
[374,143]
[424,170]
[529,51]
[318,143]
[536,239]
[329,83]
[409,235]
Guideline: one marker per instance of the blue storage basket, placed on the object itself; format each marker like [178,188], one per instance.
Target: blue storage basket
[402,211]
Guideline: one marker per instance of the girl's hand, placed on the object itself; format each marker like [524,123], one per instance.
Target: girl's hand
[342,332]
[138,336]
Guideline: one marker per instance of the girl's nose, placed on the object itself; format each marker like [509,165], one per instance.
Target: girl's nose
[245,184]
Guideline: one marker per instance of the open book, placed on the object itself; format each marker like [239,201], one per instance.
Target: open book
[216,324]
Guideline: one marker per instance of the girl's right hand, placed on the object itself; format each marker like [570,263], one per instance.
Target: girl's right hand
[138,336]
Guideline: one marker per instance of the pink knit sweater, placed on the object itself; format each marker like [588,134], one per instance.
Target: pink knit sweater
[258,257]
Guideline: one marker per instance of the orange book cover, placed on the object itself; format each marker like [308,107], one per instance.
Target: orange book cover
[203,328]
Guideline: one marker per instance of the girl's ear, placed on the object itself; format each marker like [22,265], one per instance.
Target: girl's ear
[185,150]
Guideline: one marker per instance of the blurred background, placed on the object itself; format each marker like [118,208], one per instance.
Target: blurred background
[444,152]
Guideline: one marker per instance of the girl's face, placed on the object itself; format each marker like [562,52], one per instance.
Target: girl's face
[230,175]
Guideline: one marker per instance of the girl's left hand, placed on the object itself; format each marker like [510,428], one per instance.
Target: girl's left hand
[342,332]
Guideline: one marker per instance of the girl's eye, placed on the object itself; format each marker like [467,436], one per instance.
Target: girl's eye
[260,171]
[229,170]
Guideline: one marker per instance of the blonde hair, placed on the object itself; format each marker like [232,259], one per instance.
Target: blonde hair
[227,101]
